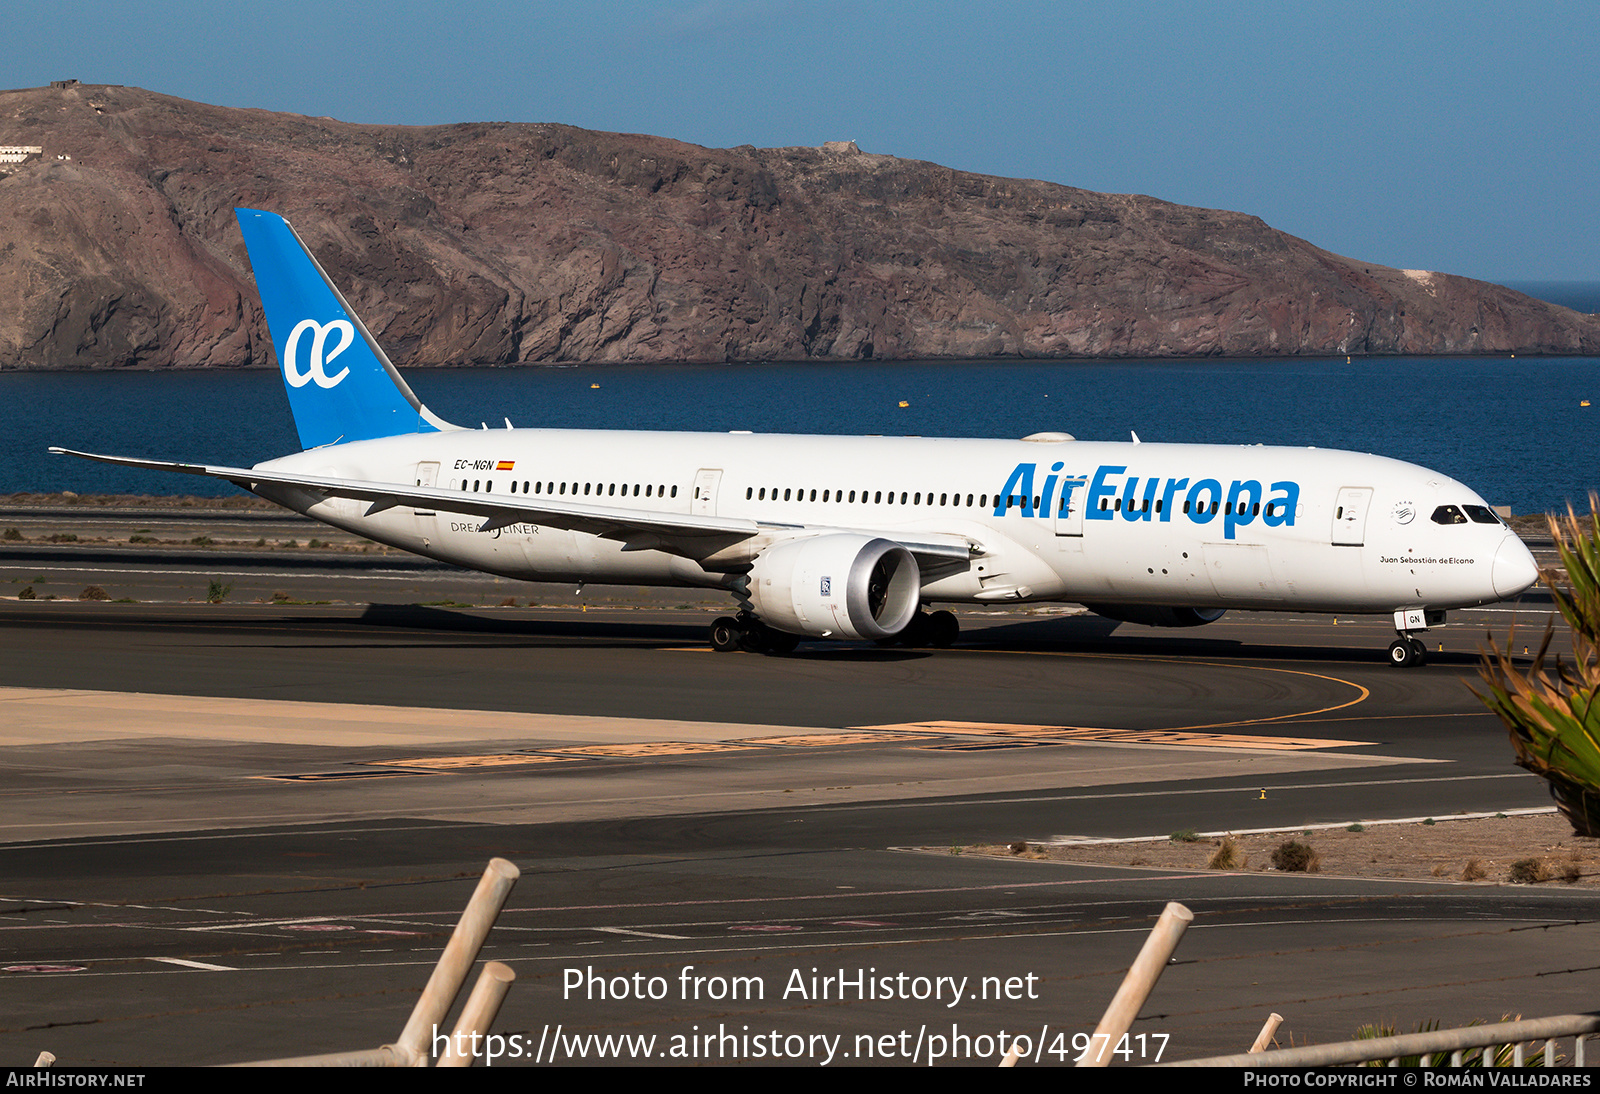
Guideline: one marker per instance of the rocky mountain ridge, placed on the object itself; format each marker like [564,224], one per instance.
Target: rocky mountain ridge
[502,243]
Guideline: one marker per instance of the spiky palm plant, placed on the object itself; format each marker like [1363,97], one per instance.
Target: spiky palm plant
[1501,1056]
[1553,708]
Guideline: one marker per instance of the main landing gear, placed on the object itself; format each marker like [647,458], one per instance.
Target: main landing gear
[937,629]
[746,632]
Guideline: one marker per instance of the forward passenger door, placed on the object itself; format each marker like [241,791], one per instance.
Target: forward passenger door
[1350,516]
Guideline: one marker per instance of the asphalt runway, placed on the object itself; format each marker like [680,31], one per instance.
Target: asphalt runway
[244,830]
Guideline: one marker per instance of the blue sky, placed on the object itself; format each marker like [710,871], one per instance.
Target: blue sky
[1449,136]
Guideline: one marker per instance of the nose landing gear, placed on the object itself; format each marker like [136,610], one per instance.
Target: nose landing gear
[1406,652]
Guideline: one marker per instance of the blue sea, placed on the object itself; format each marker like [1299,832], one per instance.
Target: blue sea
[1512,429]
[1581,296]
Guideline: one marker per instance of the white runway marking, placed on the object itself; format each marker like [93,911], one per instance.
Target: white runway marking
[195,964]
[641,934]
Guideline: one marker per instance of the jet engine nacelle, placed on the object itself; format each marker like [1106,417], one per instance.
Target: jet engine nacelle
[1152,616]
[836,586]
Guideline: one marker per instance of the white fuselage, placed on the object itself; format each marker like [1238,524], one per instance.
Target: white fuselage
[1204,526]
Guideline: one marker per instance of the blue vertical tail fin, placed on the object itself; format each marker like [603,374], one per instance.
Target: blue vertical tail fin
[341,386]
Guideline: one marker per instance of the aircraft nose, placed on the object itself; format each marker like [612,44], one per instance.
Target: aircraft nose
[1514,568]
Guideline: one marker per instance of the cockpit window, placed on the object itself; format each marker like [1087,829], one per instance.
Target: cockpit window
[1449,514]
[1481,514]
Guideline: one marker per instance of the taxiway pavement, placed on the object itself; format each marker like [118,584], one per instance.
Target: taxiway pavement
[243,830]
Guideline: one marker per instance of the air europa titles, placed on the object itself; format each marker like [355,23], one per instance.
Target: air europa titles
[1112,492]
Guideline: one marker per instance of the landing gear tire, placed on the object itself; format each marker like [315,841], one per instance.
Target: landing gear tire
[1406,653]
[780,642]
[916,633]
[751,635]
[1419,649]
[937,629]
[725,634]
[943,630]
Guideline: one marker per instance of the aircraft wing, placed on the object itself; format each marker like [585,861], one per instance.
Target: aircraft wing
[690,534]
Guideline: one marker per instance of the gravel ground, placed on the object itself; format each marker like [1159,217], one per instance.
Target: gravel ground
[1521,848]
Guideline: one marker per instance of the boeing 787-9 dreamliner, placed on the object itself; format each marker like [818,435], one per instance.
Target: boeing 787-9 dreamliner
[824,537]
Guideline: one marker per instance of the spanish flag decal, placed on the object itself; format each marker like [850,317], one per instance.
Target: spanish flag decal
[505,465]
